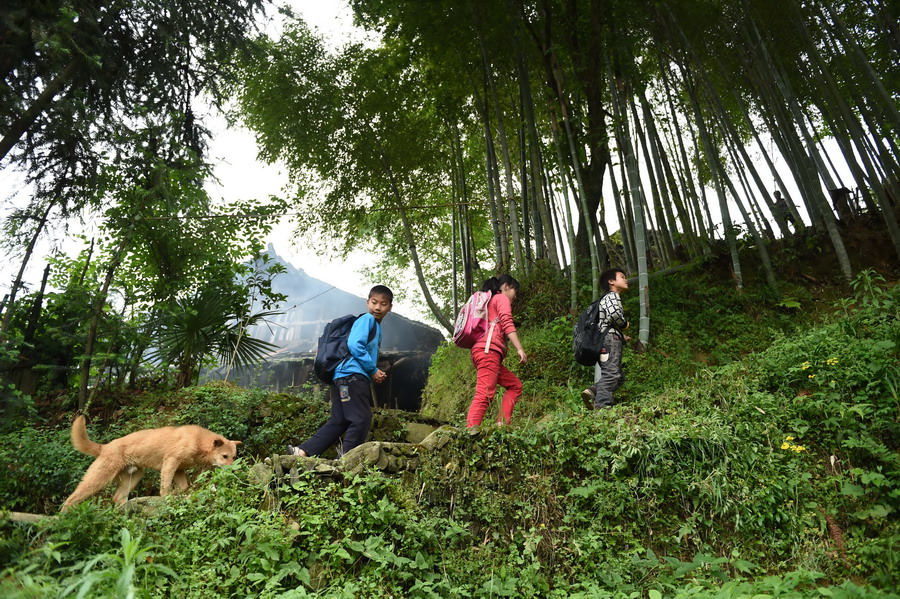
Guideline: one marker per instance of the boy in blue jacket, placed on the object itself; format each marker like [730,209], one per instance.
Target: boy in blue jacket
[351,397]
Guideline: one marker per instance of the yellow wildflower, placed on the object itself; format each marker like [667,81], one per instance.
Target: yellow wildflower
[811,376]
[805,365]
[788,438]
[785,445]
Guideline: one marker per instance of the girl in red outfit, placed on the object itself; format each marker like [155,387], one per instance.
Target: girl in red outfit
[489,351]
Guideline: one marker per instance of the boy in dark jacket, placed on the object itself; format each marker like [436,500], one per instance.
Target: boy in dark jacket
[612,323]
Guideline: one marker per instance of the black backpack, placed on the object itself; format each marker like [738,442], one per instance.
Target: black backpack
[333,348]
[588,339]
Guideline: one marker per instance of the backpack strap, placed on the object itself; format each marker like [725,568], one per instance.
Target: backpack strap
[490,333]
[371,336]
[373,329]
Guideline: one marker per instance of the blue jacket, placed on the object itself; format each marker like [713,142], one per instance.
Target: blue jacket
[363,353]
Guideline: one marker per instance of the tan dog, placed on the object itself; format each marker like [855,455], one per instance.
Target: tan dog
[170,449]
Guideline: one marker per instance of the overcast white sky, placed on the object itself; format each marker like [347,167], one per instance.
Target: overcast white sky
[241,176]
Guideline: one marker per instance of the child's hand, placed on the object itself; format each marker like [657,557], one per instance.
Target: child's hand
[379,376]
[522,357]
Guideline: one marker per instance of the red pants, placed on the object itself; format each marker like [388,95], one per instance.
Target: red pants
[492,372]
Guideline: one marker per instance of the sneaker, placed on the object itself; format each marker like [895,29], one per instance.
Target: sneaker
[587,396]
[295,450]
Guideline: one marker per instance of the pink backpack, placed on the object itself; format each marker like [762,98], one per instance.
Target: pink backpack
[472,321]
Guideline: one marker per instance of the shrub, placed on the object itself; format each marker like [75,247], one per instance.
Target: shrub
[264,421]
[40,469]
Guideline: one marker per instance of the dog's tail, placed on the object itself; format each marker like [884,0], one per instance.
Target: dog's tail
[80,440]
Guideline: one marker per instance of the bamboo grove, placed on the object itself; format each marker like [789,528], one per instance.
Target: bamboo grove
[583,132]
[449,138]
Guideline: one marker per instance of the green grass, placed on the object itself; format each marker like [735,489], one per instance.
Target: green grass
[769,468]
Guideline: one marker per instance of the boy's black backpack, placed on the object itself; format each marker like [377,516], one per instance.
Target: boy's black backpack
[588,339]
[333,348]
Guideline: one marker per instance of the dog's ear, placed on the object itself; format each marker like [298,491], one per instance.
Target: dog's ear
[237,442]
[218,443]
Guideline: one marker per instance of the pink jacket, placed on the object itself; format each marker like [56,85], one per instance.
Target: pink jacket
[500,313]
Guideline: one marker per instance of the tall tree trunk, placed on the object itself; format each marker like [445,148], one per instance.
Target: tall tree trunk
[687,177]
[627,203]
[663,174]
[828,215]
[590,172]
[821,204]
[768,160]
[544,224]
[664,230]
[513,215]
[555,226]
[586,212]
[634,183]
[702,200]
[529,141]
[500,251]
[738,146]
[783,132]
[455,194]
[31,327]
[17,282]
[411,241]
[96,314]
[842,137]
[760,243]
[624,229]
[526,200]
[710,151]
[21,125]
[503,222]
[667,179]
[453,262]
[762,223]
[465,229]
[886,101]
[570,227]
[821,146]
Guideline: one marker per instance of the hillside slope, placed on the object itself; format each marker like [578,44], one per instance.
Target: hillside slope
[754,452]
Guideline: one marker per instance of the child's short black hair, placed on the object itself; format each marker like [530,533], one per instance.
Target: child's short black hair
[609,275]
[382,290]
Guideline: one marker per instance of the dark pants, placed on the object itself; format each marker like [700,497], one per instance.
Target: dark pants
[351,416]
[611,374]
